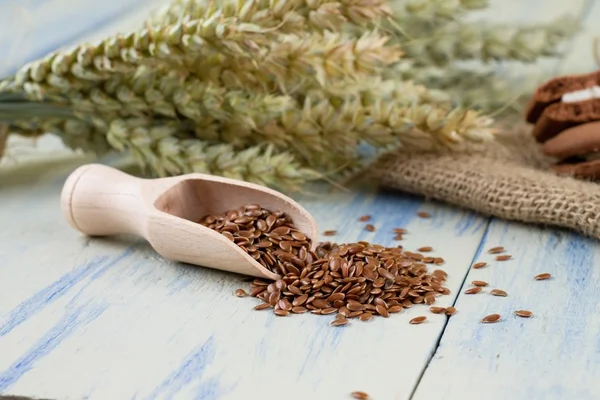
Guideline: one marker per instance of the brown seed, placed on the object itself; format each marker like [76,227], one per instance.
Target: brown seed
[450,310]
[491,318]
[479,283]
[370,228]
[479,265]
[339,322]
[240,293]
[524,313]
[504,257]
[335,297]
[395,309]
[437,310]
[329,233]
[360,395]
[299,310]
[429,300]
[328,310]
[320,303]
[281,313]
[381,310]
[425,249]
[496,250]
[364,218]
[423,214]
[262,306]
[284,304]
[542,277]
[473,290]
[418,320]
[298,301]
[365,316]
[498,292]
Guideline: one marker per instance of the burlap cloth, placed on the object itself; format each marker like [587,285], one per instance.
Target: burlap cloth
[508,179]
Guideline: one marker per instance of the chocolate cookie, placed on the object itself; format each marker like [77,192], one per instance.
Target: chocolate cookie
[552,91]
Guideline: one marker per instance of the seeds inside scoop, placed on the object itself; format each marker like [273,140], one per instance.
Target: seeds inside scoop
[524,313]
[542,277]
[491,318]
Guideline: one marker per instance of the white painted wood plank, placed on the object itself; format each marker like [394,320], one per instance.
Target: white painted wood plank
[553,355]
[102,319]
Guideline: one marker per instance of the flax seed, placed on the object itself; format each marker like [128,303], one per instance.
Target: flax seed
[504,257]
[450,311]
[543,277]
[479,265]
[365,316]
[339,322]
[425,249]
[262,306]
[418,320]
[491,318]
[381,310]
[299,310]
[281,313]
[498,292]
[364,218]
[329,233]
[496,250]
[474,290]
[395,309]
[360,395]
[423,214]
[524,313]
[328,310]
[240,293]
[437,310]
[370,228]
[479,283]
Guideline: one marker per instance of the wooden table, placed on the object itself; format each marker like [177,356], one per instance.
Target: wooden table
[102,319]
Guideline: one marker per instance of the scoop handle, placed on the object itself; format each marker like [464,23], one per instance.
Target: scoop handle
[98,200]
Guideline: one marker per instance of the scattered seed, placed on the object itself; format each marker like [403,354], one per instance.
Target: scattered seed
[425,249]
[437,310]
[423,214]
[339,322]
[360,395]
[473,290]
[450,311]
[329,233]
[496,250]
[281,313]
[418,320]
[498,292]
[524,313]
[240,293]
[479,283]
[479,265]
[504,257]
[364,218]
[369,228]
[491,318]
[365,316]
[542,277]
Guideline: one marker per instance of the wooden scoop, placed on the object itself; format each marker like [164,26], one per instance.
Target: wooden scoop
[99,200]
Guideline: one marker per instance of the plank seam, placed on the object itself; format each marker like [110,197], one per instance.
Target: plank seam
[441,335]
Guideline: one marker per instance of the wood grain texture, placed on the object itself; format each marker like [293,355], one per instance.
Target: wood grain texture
[123,323]
[107,319]
[554,354]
